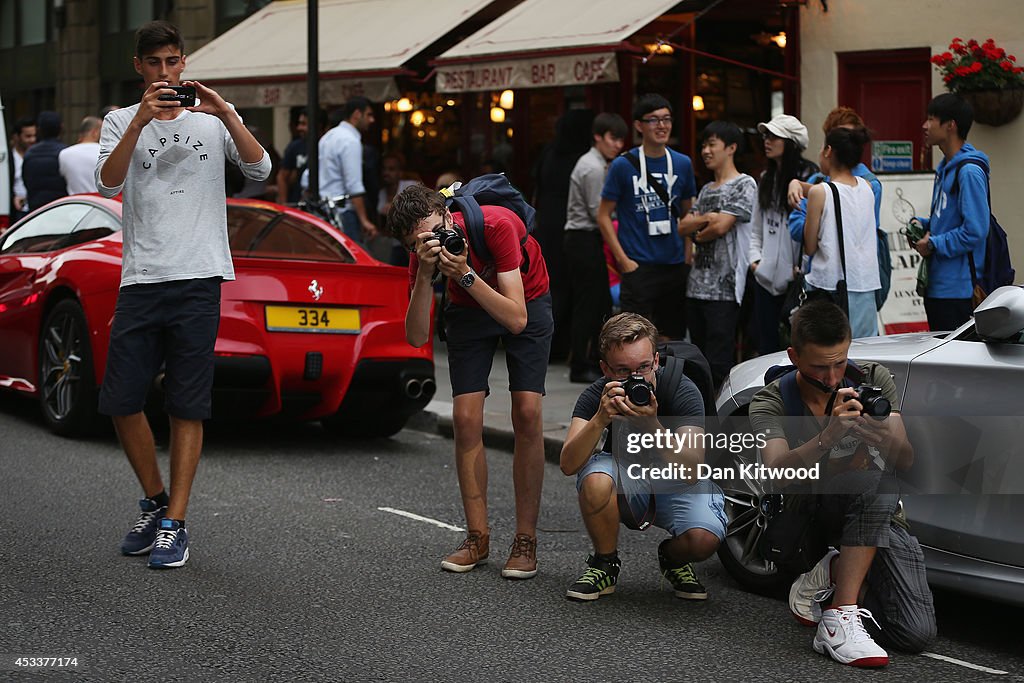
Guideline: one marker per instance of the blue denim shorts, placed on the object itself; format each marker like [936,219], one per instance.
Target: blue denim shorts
[695,506]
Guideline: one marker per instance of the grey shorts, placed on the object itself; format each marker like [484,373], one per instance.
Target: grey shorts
[166,324]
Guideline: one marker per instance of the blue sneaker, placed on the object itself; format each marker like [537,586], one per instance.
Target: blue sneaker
[171,547]
[141,538]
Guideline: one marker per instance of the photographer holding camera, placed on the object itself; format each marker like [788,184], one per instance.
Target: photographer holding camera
[166,156]
[693,513]
[878,572]
[506,299]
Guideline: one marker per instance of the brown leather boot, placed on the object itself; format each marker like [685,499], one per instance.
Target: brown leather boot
[473,551]
[522,558]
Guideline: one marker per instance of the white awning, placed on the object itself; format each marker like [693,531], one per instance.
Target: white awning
[543,43]
[362,43]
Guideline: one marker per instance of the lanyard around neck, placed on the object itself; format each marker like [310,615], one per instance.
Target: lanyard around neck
[643,170]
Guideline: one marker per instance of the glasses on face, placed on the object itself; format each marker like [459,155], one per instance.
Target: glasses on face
[769,136]
[658,121]
[623,372]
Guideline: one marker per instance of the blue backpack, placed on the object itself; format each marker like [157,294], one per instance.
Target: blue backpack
[996,269]
[491,189]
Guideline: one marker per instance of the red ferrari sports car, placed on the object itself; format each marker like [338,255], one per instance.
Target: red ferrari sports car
[313,327]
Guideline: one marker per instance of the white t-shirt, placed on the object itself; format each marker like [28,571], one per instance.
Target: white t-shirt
[78,166]
[858,207]
[175,213]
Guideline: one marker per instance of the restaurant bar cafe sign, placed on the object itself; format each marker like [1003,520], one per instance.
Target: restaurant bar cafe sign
[542,72]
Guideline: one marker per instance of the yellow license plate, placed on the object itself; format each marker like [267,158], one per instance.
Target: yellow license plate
[322,320]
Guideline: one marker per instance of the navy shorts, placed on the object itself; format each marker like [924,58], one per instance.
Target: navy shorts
[166,324]
[473,337]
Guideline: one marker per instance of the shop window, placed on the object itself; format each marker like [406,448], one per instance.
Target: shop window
[137,13]
[33,22]
[7,37]
[426,129]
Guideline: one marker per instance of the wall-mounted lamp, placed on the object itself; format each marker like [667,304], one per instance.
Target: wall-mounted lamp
[507,99]
[404,105]
[497,115]
[780,39]
[659,49]
[698,103]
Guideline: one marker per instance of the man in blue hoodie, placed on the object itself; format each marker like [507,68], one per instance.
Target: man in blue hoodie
[958,226]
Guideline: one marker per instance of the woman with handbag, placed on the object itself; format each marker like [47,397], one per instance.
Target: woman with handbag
[840,233]
[774,256]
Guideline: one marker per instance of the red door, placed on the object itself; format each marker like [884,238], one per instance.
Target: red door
[890,89]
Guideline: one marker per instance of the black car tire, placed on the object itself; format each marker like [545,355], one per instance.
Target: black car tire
[67,388]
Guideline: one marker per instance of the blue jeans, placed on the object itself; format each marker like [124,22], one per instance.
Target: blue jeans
[352,227]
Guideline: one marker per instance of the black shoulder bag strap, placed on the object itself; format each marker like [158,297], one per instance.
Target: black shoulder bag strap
[669,381]
[955,189]
[844,299]
[655,184]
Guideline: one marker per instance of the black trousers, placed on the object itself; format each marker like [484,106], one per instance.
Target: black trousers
[713,330]
[658,293]
[947,314]
[589,293]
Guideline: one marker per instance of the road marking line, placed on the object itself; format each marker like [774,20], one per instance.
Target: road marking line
[976,667]
[419,518]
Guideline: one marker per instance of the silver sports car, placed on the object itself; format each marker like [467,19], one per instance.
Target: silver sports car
[957,388]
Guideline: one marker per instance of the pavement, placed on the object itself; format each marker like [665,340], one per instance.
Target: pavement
[559,402]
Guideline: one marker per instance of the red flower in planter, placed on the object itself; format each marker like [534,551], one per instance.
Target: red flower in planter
[977,66]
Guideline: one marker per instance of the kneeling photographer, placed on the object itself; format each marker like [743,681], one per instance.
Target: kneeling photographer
[634,386]
[874,585]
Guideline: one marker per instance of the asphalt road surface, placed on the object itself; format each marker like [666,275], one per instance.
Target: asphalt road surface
[297,573]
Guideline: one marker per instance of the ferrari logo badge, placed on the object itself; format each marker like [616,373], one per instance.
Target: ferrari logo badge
[316,290]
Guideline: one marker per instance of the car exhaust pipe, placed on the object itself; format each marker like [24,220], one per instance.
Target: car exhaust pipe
[413,388]
[429,387]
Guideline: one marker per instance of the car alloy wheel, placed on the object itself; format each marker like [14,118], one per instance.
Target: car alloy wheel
[67,391]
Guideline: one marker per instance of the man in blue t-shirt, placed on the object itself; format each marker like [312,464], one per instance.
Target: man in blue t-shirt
[650,188]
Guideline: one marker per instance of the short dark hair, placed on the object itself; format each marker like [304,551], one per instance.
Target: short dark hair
[821,323]
[412,205]
[847,144]
[23,122]
[606,122]
[354,104]
[951,107]
[726,131]
[154,35]
[648,103]
[48,125]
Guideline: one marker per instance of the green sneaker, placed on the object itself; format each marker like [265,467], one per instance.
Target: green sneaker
[683,579]
[599,579]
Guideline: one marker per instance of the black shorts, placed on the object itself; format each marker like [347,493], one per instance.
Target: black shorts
[473,338]
[168,324]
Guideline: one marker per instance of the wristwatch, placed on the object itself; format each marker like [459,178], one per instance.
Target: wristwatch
[468,279]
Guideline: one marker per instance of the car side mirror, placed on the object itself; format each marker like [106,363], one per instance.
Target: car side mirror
[1001,315]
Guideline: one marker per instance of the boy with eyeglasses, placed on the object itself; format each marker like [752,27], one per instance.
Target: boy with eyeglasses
[612,490]
[650,188]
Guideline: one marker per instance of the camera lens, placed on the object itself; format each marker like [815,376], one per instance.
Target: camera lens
[638,390]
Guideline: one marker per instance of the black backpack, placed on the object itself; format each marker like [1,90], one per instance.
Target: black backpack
[491,189]
[996,269]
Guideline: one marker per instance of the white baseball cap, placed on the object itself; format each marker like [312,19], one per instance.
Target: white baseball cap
[788,127]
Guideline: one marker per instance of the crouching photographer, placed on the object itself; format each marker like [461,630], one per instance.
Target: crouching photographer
[634,386]
[874,586]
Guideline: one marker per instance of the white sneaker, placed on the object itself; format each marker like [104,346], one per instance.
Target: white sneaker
[811,589]
[842,635]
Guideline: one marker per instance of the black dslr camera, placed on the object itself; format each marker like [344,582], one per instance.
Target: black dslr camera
[451,239]
[638,390]
[875,405]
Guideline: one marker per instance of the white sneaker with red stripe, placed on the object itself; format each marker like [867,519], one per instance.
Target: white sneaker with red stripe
[841,634]
[810,589]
